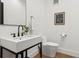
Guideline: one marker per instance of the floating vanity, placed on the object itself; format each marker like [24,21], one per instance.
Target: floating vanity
[17,45]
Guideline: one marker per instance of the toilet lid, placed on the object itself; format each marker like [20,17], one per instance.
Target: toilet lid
[51,44]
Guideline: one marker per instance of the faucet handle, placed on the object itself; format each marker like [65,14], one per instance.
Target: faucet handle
[22,34]
[13,34]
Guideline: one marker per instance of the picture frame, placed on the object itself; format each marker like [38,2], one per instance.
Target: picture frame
[59,18]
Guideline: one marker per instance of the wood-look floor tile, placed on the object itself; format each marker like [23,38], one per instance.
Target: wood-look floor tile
[58,55]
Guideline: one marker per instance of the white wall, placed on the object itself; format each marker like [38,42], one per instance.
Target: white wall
[36,8]
[43,11]
[71,24]
[45,24]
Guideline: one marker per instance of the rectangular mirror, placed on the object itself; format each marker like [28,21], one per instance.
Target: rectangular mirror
[14,12]
[1,13]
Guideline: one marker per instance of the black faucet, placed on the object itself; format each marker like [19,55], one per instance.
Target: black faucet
[19,30]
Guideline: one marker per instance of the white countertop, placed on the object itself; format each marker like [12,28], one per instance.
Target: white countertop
[16,45]
[20,39]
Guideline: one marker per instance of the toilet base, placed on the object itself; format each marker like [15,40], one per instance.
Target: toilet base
[49,50]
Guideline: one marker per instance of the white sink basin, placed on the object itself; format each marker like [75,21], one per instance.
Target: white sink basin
[18,44]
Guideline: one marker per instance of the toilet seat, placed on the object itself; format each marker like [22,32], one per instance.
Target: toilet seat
[45,42]
[51,44]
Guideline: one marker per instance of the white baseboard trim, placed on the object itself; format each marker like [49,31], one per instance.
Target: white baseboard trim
[61,50]
[68,52]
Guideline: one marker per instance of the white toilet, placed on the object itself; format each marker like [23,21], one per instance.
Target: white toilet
[49,48]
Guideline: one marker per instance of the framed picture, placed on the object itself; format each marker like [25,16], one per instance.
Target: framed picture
[59,18]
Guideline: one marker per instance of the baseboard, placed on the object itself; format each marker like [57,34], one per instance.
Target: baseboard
[61,50]
[68,52]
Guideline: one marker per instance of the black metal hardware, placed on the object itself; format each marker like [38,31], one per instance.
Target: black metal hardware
[21,52]
[14,35]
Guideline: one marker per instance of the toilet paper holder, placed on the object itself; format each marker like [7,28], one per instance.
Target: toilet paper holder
[64,35]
